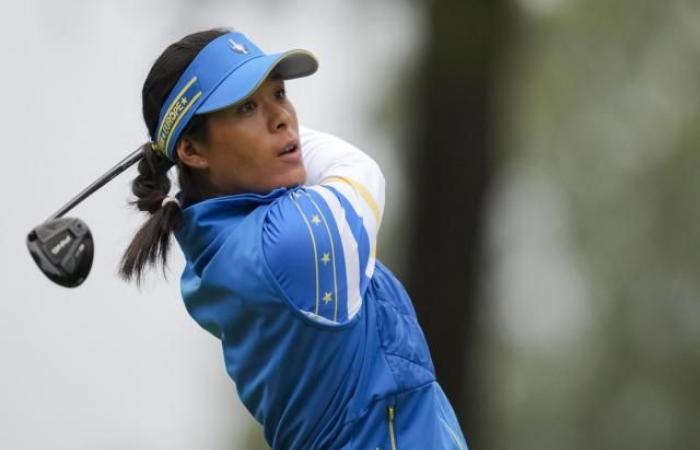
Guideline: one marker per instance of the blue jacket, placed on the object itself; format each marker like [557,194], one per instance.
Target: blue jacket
[321,360]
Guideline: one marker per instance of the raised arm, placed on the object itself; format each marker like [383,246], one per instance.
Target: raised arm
[320,241]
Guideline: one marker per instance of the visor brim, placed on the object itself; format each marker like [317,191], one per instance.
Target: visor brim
[245,79]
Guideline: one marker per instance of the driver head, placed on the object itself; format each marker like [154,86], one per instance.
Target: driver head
[63,249]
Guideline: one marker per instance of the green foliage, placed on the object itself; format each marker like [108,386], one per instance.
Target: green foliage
[601,105]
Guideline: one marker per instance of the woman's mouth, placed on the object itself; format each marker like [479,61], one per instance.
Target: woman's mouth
[291,152]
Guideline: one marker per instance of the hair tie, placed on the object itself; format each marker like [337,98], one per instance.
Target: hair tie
[168,199]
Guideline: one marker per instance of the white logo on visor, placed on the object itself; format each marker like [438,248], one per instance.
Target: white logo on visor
[237,47]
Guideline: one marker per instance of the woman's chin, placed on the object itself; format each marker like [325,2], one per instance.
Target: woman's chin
[293,177]
[289,179]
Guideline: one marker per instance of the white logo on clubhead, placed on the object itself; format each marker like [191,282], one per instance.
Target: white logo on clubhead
[237,47]
[62,243]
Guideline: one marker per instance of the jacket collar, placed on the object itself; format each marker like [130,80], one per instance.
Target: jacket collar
[205,221]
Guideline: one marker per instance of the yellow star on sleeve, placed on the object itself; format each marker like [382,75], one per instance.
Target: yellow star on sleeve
[326,258]
[327,297]
[315,219]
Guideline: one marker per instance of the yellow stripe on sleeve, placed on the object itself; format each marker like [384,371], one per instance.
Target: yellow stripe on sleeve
[313,244]
[364,193]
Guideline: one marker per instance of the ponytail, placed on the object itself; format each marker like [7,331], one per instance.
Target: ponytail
[151,187]
[152,241]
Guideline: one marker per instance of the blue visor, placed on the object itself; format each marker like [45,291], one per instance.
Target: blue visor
[229,69]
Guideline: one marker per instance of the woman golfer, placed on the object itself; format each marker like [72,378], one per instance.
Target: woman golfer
[278,225]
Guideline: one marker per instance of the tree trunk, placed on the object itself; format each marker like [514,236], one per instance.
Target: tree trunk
[452,167]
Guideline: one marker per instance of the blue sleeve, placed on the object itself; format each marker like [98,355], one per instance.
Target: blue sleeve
[318,249]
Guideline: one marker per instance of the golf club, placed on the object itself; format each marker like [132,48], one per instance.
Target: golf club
[62,247]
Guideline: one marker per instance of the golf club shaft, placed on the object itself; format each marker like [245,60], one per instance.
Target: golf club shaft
[120,167]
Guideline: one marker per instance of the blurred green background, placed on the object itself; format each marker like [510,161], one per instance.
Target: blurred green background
[584,321]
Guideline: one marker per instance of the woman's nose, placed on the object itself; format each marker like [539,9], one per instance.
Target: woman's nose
[280,117]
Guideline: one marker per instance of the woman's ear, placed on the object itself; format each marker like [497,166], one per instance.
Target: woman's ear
[191,154]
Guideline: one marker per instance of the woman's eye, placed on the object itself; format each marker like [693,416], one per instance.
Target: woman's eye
[281,94]
[246,107]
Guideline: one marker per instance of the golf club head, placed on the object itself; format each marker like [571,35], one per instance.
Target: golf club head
[63,249]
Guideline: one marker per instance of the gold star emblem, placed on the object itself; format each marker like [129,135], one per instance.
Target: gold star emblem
[327,297]
[326,258]
[315,219]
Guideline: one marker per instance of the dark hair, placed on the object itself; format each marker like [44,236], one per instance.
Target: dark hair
[151,243]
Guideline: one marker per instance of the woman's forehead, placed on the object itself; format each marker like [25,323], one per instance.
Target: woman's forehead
[272,80]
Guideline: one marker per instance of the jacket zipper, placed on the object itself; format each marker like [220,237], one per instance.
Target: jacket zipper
[391,412]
